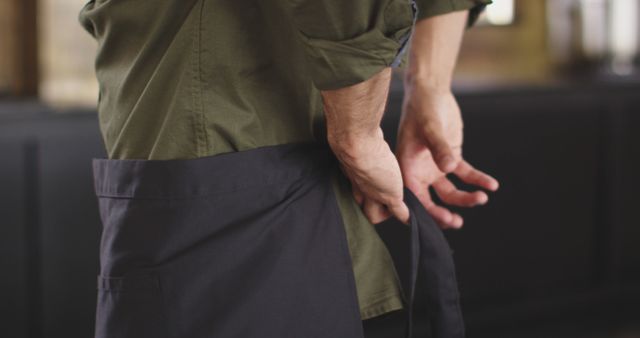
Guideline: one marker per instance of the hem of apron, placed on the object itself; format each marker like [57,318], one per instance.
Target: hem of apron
[382,306]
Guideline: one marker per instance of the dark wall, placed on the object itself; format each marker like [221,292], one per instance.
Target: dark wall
[50,226]
[563,232]
[558,241]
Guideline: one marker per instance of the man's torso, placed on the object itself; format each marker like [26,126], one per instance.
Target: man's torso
[183,79]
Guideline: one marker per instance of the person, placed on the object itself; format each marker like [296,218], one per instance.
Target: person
[215,116]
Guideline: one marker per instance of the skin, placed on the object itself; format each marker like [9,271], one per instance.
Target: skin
[430,133]
[353,117]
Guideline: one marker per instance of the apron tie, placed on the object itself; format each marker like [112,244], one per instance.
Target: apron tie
[430,255]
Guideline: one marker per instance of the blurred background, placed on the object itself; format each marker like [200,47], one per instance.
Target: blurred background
[550,93]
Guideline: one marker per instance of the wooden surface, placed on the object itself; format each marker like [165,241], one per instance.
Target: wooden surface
[18,43]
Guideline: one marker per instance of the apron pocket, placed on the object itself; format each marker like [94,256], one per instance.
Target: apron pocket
[129,307]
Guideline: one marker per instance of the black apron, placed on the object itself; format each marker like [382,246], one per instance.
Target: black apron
[248,244]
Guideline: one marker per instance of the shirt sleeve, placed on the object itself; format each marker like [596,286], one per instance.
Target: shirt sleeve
[429,8]
[349,41]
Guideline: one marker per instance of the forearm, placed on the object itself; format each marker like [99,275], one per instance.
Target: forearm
[434,50]
[353,113]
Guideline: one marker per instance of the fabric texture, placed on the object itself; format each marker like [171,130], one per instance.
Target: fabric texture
[430,8]
[185,79]
[247,244]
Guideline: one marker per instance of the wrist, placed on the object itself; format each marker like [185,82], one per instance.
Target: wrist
[351,145]
[428,82]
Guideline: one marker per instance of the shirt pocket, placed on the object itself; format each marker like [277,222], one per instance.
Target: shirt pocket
[130,307]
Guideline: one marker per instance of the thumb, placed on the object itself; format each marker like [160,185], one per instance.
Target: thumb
[400,211]
[442,153]
[374,211]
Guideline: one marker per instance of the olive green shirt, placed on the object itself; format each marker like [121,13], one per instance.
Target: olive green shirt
[182,79]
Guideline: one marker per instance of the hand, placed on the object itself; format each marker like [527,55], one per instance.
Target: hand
[353,115]
[376,181]
[430,146]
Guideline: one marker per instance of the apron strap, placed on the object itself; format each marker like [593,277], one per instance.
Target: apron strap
[430,255]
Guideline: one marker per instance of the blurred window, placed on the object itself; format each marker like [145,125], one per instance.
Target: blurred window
[499,13]
[623,35]
[66,55]
[6,43]
[45,52]
[18,48]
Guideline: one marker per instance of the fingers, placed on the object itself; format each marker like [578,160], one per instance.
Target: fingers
[357,194]
[400,210]
[375,211]
[443,155]
[451,195]
[471,175]
[445,218]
